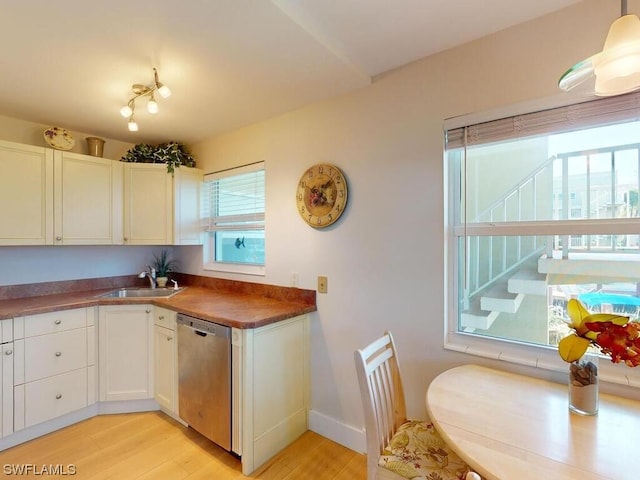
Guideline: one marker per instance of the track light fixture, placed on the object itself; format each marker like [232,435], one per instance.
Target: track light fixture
[140,90]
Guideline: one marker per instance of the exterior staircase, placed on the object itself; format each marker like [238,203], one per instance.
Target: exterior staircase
[504,296]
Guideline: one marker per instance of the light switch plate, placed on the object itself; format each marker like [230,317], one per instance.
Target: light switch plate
[322,284]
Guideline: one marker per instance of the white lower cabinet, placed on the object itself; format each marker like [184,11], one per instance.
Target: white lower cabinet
[50,361]
[54,396]
[165,360]
[125,334]
[270,386]
[54,365]
[6,377]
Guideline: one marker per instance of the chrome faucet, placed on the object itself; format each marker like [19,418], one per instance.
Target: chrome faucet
[150,273]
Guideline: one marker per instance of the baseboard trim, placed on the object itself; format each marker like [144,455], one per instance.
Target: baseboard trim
[339,432]
[100,408]
[40,429]
[127,406]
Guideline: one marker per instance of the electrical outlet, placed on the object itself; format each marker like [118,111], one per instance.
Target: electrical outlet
[294,279]
[323,284]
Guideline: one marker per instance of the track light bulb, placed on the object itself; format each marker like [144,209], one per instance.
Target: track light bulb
[133,126]
[163,90]
[152,106]
[126,111]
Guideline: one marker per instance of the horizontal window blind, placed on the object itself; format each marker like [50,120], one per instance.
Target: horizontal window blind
[234,199]
[601,111]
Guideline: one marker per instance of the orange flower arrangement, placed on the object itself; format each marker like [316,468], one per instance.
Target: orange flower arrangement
[614,335]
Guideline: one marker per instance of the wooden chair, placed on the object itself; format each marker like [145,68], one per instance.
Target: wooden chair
[398,448]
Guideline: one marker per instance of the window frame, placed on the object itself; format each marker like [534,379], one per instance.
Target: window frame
[537,356]
[209,246]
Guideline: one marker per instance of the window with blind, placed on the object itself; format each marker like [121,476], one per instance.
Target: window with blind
[542,207]
[233,206]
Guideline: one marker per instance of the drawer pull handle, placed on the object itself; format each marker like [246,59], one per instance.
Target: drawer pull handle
[58,396]
[8,352]
[161,317]
[58,354]
[169,339]
[58,322]
[147,311]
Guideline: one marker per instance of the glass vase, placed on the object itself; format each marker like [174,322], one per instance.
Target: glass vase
[583,385]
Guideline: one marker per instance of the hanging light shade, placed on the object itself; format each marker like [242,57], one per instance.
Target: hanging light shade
[616,69]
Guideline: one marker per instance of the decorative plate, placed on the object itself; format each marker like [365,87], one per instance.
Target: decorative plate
[59,138]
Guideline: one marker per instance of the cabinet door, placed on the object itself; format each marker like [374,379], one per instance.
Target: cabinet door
[6,388]
[125,336]
[148,204]
[274,387]
[26,193]
[187,187]
[88,200]
[165,368]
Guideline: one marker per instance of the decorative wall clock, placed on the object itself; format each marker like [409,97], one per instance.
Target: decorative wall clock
[322,195]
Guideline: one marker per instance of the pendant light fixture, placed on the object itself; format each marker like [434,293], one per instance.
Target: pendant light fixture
[140,90]
[616,69]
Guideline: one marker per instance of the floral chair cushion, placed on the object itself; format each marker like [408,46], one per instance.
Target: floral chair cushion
[418,452]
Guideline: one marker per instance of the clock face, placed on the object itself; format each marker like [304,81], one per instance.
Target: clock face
[322,195]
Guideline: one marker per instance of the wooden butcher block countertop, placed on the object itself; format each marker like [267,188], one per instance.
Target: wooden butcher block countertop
[234,304]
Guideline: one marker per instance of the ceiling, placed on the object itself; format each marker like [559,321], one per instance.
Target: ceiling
[228,63]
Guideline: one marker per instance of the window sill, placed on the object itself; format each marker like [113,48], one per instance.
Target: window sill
[546,358]
[258,270]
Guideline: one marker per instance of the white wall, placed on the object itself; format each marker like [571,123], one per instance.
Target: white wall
[384,257]
[21,265]
[30,133]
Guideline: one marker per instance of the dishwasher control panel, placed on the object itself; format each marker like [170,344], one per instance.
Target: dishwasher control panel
[203,325]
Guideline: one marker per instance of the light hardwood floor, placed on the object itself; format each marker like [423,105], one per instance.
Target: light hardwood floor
[145,446]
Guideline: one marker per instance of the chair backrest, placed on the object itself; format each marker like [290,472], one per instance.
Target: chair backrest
[382,396]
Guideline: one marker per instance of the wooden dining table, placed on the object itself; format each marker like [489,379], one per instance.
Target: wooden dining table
[508,426]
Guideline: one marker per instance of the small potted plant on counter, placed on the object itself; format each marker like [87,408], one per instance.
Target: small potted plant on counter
[164,266]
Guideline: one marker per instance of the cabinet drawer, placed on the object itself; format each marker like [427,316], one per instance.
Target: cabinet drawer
[51,322]
[54,396]
[55,353]
[165,318]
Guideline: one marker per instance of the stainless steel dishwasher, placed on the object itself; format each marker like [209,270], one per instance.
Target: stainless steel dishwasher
[204,378]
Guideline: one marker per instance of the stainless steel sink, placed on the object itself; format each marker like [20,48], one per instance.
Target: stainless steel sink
[141,293]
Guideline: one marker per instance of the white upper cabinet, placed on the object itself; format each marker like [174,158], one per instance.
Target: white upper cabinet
[187,185]
[51,197]
[147,212]
[160,208]
[88,200]
[26,194]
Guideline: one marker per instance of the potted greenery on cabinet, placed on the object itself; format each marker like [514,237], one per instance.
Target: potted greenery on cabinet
[163,266]
[173,154]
